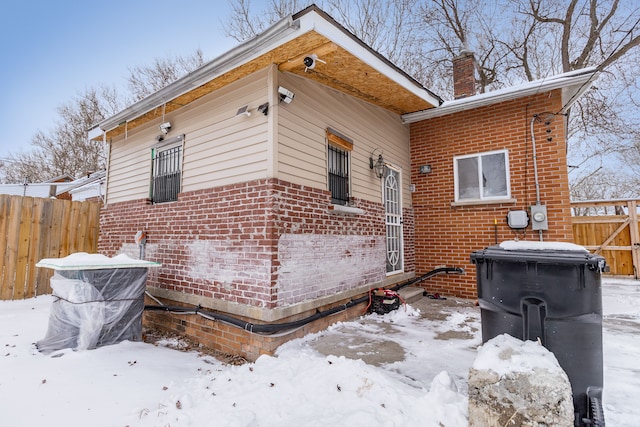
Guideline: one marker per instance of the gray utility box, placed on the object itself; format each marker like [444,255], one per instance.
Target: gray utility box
[97,301]
[537,290]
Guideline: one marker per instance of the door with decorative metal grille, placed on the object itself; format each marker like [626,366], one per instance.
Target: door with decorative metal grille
[393,220]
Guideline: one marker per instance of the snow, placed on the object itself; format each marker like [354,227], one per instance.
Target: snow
[141,384]
[521,245]
[87,261]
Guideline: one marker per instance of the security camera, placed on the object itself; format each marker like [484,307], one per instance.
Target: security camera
[165,127]
[285,94]
[311,61]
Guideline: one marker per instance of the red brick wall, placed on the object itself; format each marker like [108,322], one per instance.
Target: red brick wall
[266,243]
[245,243]
[237,243]
[233,340]
[464,80]
[446,235]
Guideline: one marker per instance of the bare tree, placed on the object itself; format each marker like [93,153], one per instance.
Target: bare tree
[146,79]
[65,149]
[513,41]
[246,22]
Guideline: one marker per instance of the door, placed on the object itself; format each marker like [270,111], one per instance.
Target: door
[393,220]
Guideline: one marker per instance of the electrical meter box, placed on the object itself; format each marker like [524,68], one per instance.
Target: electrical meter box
[539,217]
[517,219]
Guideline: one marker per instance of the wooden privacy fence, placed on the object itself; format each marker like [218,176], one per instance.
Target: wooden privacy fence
[34,228]
[609,228]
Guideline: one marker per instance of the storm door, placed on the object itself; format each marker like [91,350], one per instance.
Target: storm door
[393,220]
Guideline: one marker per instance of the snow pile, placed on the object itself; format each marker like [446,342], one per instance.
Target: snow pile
[305,390]
[87,261]
[521,245]
[139,384]
[514,382]
[505,354]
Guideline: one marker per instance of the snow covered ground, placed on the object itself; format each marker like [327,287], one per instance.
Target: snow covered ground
[138,384]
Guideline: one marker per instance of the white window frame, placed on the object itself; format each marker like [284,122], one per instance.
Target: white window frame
[482,197]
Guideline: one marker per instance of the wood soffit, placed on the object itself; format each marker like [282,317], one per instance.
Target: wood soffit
[342,71]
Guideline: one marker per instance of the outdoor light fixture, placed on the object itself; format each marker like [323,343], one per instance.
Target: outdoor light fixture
[285,95]
[425,168]
[165,127]
[264,108]
[243,111]
[379,166]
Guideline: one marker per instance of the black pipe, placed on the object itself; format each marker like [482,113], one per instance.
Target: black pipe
[277,327]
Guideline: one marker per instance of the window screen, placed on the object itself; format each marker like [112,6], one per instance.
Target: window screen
[482,176]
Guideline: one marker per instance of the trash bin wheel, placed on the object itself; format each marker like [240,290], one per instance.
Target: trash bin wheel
[594,404]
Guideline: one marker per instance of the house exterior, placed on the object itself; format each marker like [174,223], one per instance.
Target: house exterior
[499,125]
[57,188]
[254,181]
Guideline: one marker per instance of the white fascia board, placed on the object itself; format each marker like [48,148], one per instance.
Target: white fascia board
[95,133]
[573,85]
[367,55]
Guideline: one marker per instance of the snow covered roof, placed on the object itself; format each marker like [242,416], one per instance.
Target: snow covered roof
[52,188]
[37,189]
[88,187]
[573,85]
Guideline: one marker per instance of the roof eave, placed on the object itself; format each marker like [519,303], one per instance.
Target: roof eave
[232,58]
[334,30]
[573,84]
[275,35]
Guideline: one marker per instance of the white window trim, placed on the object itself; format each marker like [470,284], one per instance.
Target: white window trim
[482,199]
[166,144]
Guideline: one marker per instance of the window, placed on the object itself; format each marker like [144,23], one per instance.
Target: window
[166,170]
[338,166]
[483,176]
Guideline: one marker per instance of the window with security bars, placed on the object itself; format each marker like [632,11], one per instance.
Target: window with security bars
[166,174]
[338,175]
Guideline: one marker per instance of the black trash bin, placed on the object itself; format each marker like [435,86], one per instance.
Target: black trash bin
[97,301]
[551,292]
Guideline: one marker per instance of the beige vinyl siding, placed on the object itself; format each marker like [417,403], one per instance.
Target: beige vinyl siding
[220,148]
[302,137]
[130,166]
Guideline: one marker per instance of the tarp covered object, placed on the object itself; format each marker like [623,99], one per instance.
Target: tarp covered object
[98,301]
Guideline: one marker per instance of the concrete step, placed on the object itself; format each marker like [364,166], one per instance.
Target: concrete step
[411,293]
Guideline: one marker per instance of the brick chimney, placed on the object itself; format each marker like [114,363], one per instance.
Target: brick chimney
[464,80]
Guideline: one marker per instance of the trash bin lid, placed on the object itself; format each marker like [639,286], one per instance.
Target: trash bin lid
[86,261]
[542,252]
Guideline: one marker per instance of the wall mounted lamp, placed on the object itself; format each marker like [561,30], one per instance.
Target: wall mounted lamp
[285,94]
[243,111]
[264,108]
[379,165]
[425,168]
[165,127]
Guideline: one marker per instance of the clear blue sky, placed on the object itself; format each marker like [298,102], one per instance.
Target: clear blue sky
[53,50]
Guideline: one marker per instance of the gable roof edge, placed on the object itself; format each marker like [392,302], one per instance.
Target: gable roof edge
[376,60]
[278,33]
[573,85]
